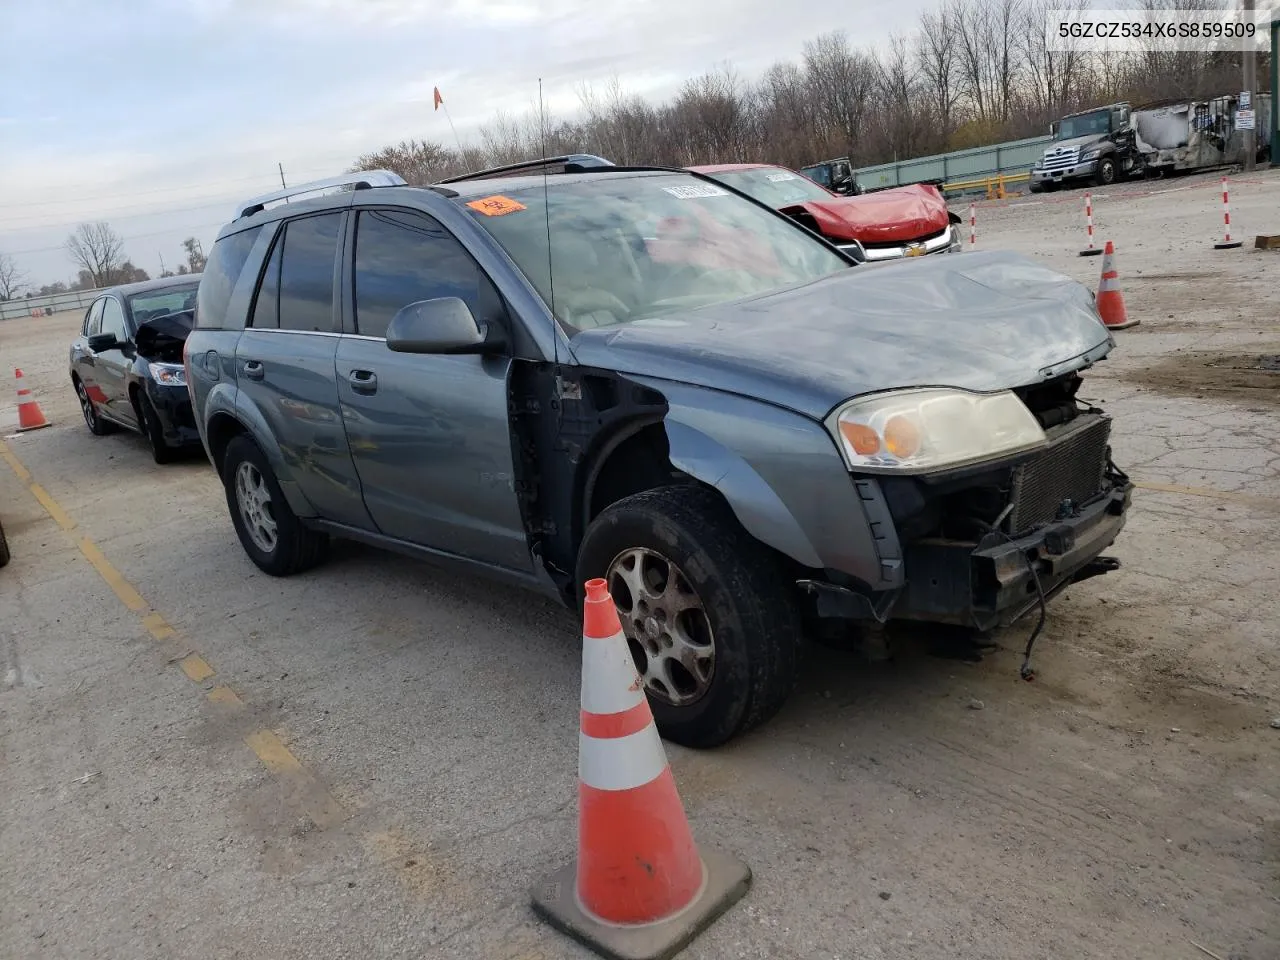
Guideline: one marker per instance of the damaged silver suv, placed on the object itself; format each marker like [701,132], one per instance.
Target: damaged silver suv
[643,375]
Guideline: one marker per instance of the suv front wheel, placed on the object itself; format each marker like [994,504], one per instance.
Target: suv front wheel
[708,613]
[273,537]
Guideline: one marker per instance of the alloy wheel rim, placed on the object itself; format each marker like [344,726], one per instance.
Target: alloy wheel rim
[86,406]
[666,625]
[254,500]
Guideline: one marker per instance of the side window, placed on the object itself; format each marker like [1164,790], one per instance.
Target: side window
[306,273]
[404,257]
[221,272]
[93,318]
[113,319]
[266,307]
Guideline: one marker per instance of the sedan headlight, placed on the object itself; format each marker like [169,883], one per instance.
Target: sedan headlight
[917,431]
[168,374]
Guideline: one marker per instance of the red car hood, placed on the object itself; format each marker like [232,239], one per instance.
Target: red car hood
[887,216]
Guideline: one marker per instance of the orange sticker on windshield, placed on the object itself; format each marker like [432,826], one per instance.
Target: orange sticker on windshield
[496,206]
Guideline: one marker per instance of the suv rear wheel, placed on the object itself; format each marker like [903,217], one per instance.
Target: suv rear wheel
[273,537]
[708,613]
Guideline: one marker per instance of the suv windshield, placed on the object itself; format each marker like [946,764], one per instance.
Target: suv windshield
[627,248]
[773,185]
[1089,125]
[157,303]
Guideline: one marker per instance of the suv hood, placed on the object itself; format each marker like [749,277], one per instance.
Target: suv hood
[897,215]
[980,321]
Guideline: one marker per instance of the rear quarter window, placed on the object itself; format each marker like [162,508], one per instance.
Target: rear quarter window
[221,272]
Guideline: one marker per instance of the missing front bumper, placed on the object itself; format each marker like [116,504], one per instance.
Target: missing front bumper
[993,583]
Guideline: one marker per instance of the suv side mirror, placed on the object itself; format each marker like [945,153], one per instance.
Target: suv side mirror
[443,325]
[104,341]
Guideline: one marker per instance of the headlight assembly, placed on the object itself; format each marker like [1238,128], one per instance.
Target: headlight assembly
[918,431]
[168,374]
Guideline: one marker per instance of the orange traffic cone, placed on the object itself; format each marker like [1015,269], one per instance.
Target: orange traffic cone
[1109,301]
[30,416]
[640,889]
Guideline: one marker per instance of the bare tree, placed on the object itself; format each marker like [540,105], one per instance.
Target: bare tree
[974,72]
[901,123]
[936,57]
[417,161]
[195,254]
[842,83]
[97,249]
[11,278]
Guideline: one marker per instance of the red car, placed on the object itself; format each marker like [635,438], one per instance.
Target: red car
[908,221]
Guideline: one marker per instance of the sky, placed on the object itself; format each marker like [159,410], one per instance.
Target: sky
[158,116]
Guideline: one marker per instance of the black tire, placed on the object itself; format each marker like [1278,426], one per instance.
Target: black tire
[1106,174]
[161,452]
[746,598]
[1035,186]
[4,548]
[97,426]
[295,547]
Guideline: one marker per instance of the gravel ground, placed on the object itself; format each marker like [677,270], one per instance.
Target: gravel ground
[1123,805]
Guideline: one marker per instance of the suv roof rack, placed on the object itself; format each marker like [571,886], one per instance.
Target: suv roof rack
[570,163]
[361,180]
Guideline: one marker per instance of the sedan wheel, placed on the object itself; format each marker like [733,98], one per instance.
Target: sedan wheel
[91,419]
[254,500]
[666,626]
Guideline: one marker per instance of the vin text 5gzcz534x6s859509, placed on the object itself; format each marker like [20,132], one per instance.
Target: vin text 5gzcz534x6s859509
[687,393]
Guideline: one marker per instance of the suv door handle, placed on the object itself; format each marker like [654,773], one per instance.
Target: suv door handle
[253,369]
[363,381]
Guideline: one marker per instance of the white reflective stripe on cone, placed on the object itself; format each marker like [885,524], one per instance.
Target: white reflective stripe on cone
[621,763]
[610,683]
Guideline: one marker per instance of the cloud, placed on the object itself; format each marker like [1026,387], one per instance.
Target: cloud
[175,105]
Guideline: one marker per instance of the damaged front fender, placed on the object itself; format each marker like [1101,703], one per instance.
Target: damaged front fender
[783,477]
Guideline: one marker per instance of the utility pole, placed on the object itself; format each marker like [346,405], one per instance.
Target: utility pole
[1251,81]
[162,264]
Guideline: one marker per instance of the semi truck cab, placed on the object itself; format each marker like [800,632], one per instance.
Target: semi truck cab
[1084,148]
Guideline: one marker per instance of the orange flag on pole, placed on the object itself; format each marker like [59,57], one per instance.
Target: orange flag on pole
[435,95]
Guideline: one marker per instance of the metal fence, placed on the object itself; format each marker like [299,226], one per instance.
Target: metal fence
[45,304]
[1014,157]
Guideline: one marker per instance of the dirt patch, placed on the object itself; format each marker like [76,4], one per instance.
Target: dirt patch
[1246,378]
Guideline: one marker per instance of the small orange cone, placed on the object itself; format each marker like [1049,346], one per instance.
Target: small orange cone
[640,890]
[1109,301]
[30,416]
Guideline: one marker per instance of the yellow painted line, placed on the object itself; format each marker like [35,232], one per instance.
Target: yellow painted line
[14,463]
[121,587]
[51,507]
[1272,503]
[224,695]
[196,668]
[320,805]
[158,626]
[275,756]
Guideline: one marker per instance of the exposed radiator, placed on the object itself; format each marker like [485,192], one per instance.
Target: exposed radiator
[1071,468]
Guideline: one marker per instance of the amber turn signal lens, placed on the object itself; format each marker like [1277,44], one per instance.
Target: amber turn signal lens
[862,438]
[902,437]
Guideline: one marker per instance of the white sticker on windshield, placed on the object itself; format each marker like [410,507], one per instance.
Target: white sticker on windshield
[693,190]
[779,177]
